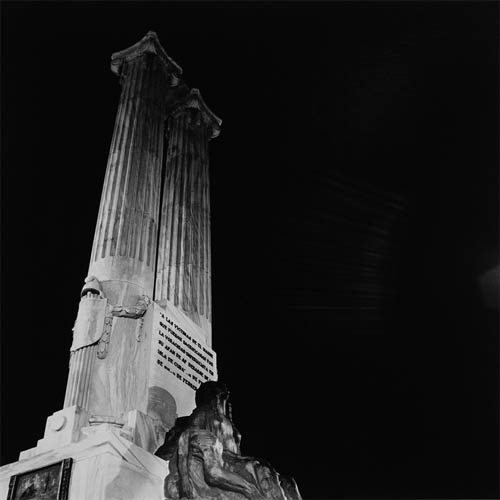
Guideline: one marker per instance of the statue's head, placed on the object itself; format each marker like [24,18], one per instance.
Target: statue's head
[212,393]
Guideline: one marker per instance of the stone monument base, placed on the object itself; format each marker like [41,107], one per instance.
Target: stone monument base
[104,466]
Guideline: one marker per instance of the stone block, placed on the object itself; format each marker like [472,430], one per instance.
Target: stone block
[62,427]
[106,466]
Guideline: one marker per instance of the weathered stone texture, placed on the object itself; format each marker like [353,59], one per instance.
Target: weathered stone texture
[184,257]
[127,224]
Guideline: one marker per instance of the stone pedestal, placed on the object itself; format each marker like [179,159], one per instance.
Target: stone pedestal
[105,466]
[113,456]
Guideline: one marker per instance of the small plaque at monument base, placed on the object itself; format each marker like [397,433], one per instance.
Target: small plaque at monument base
[104,465]
[47,483]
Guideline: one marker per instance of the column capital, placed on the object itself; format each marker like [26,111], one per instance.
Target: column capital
[193,100]
[149,44]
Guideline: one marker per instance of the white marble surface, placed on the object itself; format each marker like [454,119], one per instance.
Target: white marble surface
[106,466]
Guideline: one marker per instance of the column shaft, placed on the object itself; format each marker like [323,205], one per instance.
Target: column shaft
[80,373]
[184,257]
[126,233]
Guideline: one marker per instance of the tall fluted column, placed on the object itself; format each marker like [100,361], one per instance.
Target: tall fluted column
[107,374]
[124,250]
[184,260]
[142,336]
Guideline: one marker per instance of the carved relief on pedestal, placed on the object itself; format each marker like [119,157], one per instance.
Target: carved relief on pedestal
[91,337]
[103,345]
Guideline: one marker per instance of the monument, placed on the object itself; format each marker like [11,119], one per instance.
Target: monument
[142,373]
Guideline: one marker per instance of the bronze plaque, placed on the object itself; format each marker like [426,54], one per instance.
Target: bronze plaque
[47,483]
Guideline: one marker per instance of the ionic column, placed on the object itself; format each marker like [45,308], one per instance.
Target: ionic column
[106,365]
[124,250]
[184,259]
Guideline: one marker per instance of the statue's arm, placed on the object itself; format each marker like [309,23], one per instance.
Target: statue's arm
[218,477]
[230,456]
[183,453]
[207,449]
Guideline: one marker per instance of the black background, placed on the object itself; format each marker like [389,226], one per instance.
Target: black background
[354,206]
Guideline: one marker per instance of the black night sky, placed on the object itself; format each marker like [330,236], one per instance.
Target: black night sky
[354,207]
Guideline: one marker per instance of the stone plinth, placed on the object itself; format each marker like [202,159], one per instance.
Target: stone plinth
[170,359]
[106,466]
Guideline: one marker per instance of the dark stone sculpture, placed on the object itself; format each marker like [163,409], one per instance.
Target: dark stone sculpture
[204,457]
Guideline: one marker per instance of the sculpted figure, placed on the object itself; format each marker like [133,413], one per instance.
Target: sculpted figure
[205,460]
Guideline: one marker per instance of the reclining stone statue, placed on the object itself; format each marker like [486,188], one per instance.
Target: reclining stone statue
[204,457]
